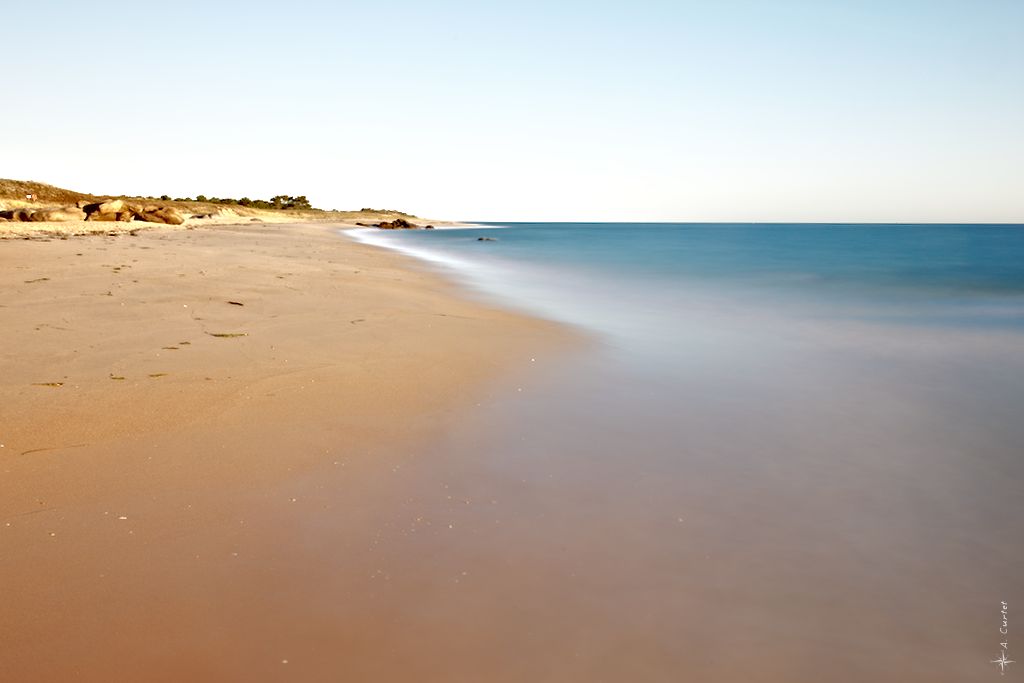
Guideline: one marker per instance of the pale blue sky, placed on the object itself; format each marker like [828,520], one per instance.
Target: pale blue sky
[724,110]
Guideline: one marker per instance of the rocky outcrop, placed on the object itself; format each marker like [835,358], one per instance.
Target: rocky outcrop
[17,215]
[158,214]
[122,212]
[397,224]
[109,207]
[58,215]
[111,210]
[120,216]
[62,215]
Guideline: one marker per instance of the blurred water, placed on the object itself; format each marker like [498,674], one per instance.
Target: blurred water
[784,440]
[639,279]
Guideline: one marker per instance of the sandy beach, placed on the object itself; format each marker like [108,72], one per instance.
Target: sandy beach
[512,343]
[270,452]
[179,408]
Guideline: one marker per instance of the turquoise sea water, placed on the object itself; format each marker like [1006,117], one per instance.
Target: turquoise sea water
[779,440]
[955,274]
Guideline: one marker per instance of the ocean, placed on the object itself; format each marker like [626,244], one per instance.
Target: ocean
[782,451]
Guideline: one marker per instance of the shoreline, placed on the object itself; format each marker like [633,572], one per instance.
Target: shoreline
[174,405]
[12,230]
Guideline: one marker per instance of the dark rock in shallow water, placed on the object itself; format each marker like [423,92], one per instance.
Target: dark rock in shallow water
[486,239]
[428,227]
[397,224]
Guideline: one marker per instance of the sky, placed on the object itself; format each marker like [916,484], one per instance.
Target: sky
[724,110]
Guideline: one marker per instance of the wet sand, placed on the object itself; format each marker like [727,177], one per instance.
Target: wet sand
[198,429]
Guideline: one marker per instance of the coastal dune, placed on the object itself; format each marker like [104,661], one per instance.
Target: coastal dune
[179,408]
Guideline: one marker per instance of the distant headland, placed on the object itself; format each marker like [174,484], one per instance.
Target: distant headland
[29,208]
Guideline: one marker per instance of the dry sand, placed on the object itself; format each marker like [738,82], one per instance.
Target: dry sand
[157,480]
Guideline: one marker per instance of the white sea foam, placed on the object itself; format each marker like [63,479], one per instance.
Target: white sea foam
[380,238]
